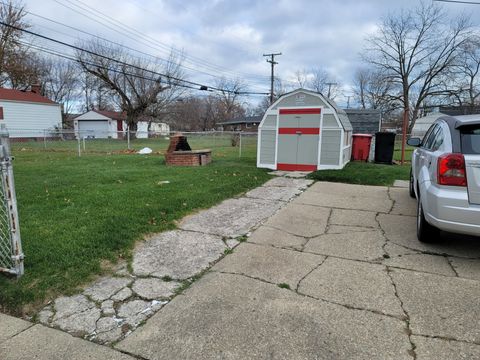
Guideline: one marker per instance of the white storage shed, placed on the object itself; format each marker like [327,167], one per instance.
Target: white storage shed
[304,131]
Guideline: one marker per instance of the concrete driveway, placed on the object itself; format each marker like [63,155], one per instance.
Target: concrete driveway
[336,274]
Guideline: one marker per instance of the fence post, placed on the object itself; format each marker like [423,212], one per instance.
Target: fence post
[128,137]
[10,208]
[45,139]
[83,143]
[79,147]
[240,145]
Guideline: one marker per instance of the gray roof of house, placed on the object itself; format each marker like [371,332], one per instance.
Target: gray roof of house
[243,120]
[364,121]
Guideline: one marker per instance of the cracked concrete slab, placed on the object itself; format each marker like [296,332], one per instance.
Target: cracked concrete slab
[152,289]
[288,182]
[49,344]
[352,283]
[435,349]
[266,235]
[356,246]
[273,193]
[270,264]
[440,306]
[393,250]
[104,288]
[466,268]
[234,317]
[10,326]
[178,254]
[422,262]
[344,229]
[353,218]
[300,220]
[401,230]
[355,197]
[68,305]
[403,203]
[80,323]
[232,218]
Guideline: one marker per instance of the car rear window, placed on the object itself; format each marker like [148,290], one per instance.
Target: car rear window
[470,139]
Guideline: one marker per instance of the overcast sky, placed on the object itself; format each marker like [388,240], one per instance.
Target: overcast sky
[228,37]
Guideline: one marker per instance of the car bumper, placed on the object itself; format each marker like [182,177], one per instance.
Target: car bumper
[448,209]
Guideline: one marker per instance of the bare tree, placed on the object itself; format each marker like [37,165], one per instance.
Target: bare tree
[229,100]
[60,83]
[413,49]
[318,80]
[137,84]
[373,90]
[463,84]
[19,66]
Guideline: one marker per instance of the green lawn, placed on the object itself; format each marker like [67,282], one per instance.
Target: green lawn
[75,213]
[364,173]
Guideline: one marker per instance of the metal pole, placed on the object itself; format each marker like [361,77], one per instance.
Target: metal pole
[10,198]
[240,145]
[79,148]
[83,143]
[404,133]
[128,138]
[45,139]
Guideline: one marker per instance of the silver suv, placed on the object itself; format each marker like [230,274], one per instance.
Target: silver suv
[445,177]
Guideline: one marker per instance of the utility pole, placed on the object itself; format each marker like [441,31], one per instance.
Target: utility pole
[330,84]
[348,101]
[273,63]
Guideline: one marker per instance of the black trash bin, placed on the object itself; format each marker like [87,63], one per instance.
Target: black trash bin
[384,147]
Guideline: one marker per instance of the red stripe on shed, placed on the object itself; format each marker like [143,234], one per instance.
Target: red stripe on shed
[303,131]
[296,167]
[300,111]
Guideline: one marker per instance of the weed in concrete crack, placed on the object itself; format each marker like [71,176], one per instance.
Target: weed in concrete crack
[167,278]
[228,251]
[386,256]
[242,238]
[284,286]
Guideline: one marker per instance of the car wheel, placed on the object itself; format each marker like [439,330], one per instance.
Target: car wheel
[411,186]
[426,233]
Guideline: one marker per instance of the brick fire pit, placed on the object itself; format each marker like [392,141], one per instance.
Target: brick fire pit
[180,153]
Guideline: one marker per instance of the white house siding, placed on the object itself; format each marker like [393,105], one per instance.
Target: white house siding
[30,120]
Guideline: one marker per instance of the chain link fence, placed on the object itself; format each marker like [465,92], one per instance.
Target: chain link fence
[11,255]
[106,142]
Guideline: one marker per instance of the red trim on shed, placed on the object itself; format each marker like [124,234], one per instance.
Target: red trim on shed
[302,131]
[296,167]
[300,111]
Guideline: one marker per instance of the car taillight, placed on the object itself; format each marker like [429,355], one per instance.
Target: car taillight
[451,170]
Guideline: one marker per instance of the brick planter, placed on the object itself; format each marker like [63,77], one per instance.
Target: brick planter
[179,153]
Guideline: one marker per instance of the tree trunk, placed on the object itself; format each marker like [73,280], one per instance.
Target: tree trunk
[132,128]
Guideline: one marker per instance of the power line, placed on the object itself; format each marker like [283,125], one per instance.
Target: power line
[459,2]
[77,48]
[129,31]
[110,41]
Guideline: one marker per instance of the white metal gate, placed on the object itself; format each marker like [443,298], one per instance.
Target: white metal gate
[11,255]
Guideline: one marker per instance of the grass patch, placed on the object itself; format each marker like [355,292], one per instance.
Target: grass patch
[79,214]
[284,286]
[228,251]
[364,174]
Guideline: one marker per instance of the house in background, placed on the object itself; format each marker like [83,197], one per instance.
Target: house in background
[102,124]
[29,115]
[365,121]
[245,123]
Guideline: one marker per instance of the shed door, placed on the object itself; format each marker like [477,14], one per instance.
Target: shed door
[93,128]
[298,139]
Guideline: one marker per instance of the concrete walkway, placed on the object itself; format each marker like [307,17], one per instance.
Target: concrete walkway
[337,273]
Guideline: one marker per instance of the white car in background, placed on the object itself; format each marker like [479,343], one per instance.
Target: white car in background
[445,177]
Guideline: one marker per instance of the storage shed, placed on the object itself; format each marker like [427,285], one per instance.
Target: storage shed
[304,131]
